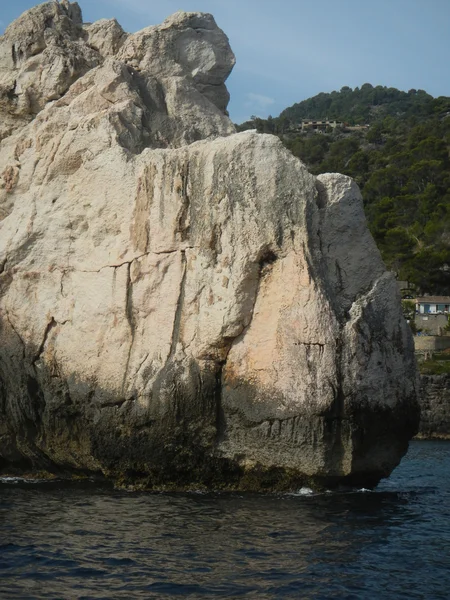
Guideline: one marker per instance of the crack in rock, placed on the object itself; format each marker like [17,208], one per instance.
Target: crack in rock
[50,325]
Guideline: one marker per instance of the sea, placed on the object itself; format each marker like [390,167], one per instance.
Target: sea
[86,540]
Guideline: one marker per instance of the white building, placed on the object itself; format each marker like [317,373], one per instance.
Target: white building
[433,305]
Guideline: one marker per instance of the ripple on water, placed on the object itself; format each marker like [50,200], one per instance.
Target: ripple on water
[90,541]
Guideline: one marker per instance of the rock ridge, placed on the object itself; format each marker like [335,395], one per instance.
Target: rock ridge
[181,306]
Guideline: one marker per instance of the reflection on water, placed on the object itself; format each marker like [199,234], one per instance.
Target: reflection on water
[85,541]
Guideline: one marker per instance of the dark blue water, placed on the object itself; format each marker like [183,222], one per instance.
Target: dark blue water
[64,541]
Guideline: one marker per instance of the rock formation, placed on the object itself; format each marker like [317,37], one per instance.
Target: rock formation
[180,305]
[434,400]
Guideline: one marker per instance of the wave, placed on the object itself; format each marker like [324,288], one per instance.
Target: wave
[10,480]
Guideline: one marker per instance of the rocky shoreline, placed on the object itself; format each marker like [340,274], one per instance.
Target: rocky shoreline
[434,400]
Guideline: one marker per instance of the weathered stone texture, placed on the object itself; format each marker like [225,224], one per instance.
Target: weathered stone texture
[182,312]
[434,399]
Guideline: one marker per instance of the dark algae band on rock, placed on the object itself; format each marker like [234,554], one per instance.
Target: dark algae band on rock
[181,306]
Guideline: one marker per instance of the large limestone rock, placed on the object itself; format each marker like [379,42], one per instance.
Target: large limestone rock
[41,55]
[177,312]
[171,76]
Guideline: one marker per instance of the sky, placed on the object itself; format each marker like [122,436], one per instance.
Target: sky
[290,50]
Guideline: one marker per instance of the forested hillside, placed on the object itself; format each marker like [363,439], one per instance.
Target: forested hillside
[400,158]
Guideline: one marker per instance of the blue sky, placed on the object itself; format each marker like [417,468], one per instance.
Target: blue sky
[289,50]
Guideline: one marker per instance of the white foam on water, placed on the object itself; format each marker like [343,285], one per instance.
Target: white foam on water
[16,480]
[305,491]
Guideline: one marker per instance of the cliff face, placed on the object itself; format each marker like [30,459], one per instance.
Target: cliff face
[180,312]
[434,398]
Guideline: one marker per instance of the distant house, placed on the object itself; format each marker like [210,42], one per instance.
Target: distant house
[320,125]
[433,305]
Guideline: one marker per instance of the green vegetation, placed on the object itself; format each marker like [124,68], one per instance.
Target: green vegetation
[439,364]
[409,312]
[401,162]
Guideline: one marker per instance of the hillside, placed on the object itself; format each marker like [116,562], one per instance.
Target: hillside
[396,146]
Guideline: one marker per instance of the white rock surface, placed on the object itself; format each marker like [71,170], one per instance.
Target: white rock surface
[181,313]
[105,36]
[41,55]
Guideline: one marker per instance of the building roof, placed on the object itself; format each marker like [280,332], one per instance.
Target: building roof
[433,300]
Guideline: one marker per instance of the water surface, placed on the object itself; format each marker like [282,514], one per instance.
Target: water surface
[86,541]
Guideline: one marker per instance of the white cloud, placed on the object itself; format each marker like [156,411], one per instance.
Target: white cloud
[258,101]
